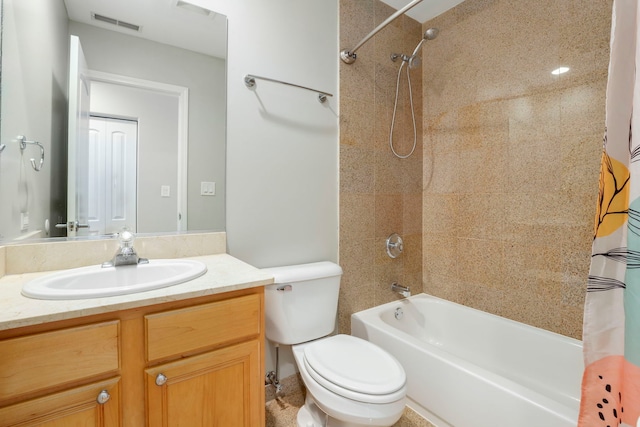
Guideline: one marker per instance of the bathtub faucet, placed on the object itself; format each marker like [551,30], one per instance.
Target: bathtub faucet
[402,290]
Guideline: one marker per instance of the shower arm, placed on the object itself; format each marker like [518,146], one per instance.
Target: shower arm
[348,56]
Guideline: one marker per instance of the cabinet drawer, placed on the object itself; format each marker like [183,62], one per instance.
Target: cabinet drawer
[185,330]
[75,407]
[35,362]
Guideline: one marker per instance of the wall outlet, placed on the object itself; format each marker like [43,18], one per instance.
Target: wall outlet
[207,188]
[165,191]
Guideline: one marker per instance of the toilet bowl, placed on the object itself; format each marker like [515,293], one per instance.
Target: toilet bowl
[350,382]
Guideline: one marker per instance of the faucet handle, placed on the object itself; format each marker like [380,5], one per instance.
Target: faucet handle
[126,238]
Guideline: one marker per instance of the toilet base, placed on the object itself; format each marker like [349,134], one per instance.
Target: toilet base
[310,415]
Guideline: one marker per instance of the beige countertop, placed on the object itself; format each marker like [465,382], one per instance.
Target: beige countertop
[224,273]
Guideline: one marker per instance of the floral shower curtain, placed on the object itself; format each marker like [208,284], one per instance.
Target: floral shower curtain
[611,381]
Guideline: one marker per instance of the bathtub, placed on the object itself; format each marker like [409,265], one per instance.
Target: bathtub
[468,368]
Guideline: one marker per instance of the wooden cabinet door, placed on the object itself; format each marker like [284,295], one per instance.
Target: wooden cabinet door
[217,389]
[77,407]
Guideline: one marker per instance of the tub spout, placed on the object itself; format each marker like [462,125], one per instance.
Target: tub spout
[402,290]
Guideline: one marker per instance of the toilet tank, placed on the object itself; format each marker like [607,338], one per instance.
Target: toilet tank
[302,303]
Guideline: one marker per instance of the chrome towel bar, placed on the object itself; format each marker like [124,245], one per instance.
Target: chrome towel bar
[250,81]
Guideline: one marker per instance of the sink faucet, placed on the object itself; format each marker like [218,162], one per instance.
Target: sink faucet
[126,255]
[402,290]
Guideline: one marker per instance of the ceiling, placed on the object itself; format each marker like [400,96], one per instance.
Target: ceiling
[186,26]
[426,10]
[189,26]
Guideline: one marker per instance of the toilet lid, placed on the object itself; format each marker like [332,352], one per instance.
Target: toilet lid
[354,364]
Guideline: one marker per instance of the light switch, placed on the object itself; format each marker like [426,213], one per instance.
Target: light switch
[207,188]
[24,221]
[165,191]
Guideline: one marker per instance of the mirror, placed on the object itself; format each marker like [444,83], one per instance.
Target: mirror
[158,65]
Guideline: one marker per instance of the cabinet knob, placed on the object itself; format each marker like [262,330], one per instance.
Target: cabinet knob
[103,397]
[161,380]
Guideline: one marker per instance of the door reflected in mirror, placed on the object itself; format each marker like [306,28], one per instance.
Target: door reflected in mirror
[112,186]
[173,90]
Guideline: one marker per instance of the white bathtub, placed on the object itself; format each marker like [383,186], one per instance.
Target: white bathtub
[468,368]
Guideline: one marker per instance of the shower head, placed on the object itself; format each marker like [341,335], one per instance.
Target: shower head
[414,60]
[430,34]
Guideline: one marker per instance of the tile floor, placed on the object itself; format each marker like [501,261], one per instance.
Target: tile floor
[281,410]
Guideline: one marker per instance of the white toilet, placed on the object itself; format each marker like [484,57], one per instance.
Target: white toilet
[350,382]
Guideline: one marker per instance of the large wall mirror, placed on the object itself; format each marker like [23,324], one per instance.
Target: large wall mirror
[112,114]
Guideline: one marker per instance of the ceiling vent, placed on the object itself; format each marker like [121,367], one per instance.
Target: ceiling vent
[114,21]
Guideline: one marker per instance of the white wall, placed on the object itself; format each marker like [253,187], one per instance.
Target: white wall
[282,144]
[34,59]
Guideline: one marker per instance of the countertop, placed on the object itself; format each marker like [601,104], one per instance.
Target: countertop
[224,273]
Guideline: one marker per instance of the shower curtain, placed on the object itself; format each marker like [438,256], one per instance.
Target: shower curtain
[611,381]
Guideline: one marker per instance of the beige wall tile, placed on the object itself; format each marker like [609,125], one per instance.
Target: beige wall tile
[440,214]
[412,214]
[516,154]
[442,173]
[484,215]
[357,216]
[356,124]
[507,160]
[389,215]
[380,194]
[440,256]
[481,261]
[356,170]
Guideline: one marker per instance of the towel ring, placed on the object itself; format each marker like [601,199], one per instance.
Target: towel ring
[23,144]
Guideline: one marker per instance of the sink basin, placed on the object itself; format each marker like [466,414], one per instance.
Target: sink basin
[95,281]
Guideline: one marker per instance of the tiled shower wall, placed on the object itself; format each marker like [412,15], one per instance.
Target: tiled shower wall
[379,193]
[511,156]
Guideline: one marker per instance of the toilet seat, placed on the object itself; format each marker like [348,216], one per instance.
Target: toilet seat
[356,369]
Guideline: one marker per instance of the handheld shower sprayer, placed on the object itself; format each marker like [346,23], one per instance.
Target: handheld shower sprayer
[430,34]
[412,61]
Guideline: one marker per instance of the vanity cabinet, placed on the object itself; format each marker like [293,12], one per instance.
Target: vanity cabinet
[196,362]
[229,376]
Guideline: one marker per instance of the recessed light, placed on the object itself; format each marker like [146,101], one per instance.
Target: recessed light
[560,70]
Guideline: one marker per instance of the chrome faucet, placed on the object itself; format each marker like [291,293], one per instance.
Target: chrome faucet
[402,290]
[126,255]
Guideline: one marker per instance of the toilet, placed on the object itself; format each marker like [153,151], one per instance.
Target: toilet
[350,382]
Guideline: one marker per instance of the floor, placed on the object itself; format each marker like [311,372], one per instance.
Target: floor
[281,409]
